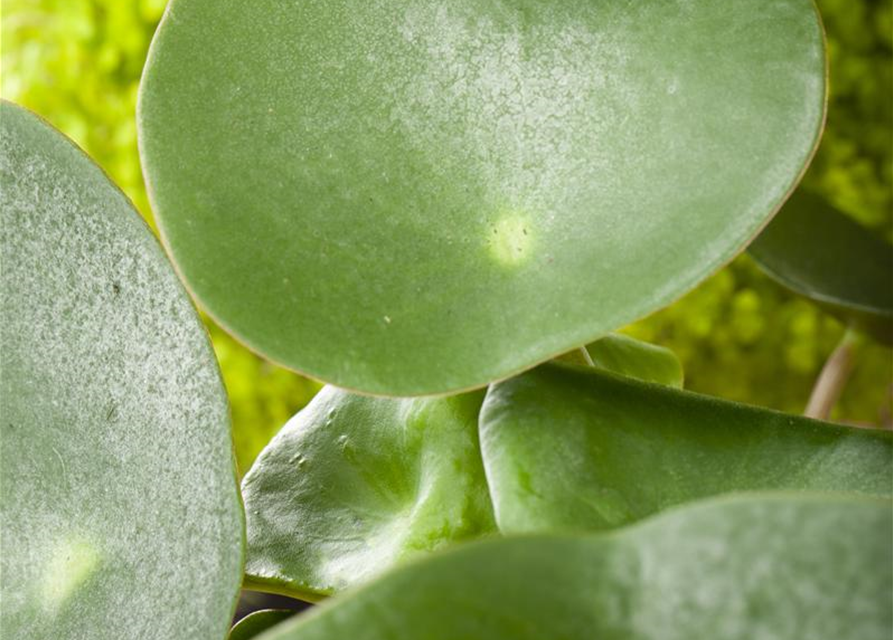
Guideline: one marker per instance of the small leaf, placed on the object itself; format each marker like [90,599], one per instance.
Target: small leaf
[817,251]
[424,196]
[257,622]
[353,484]
[568,448]
[779,567]
[120,511]
[630,357]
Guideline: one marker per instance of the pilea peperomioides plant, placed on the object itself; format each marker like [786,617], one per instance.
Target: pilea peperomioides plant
[443,210]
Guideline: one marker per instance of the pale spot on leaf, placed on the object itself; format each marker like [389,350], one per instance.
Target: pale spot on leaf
[511,239]
[70,565]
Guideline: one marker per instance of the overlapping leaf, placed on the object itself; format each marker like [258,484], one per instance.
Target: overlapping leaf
[779,567]
[120,514]
[818,252]
[572,448]
[636,359]
[423,196]
[353,484]
[256,623]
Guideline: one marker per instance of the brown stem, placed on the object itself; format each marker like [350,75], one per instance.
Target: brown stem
[833,377]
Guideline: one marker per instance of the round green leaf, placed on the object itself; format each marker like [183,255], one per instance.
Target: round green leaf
[779,568]
[120,509]
[256,623]
[572,448]
[816,251]
[353,484]
[423,196]
[637,359]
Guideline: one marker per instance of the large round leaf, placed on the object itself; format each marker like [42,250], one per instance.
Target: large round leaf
[818,252]
[422,196]
[120,510]
[572,448]
[353,484]
[775,568]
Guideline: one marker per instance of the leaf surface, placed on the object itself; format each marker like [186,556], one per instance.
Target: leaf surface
[779,567]
[118,499]
[815,250]
[353,484]
[636,359]
[257,622]
[419,197]
[570,448]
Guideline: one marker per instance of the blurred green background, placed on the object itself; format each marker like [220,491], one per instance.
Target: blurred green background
[740,336]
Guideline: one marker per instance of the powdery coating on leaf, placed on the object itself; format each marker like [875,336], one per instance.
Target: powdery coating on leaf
[116,458]
[525,108]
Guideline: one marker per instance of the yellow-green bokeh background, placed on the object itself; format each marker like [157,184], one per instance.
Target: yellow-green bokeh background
[78,63]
